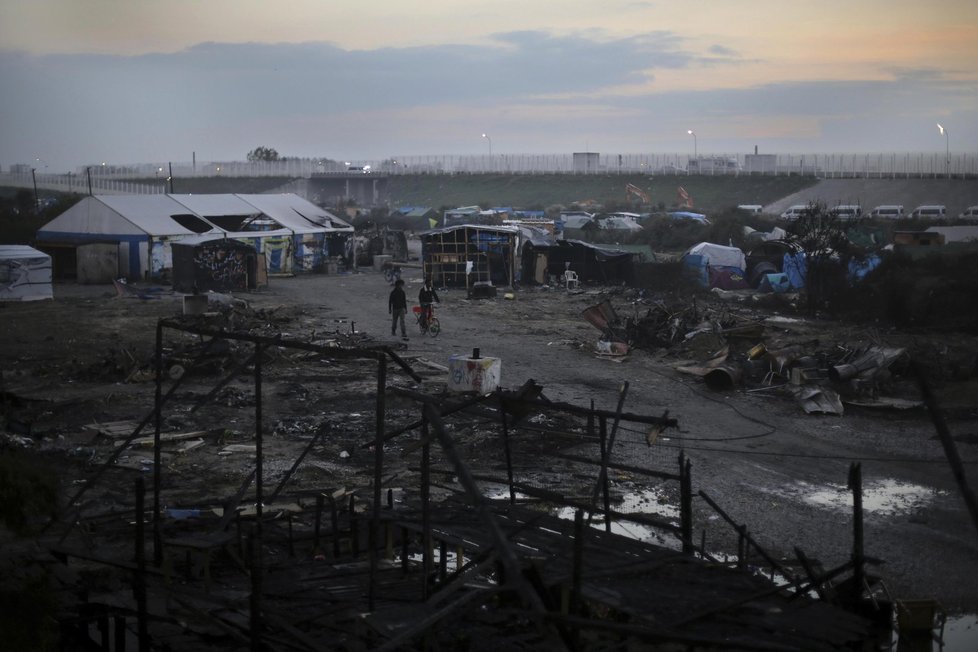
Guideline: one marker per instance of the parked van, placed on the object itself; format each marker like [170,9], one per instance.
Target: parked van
[970,213]
[753,209]
[847,211]
[887,211]
[929,212]
[794,212]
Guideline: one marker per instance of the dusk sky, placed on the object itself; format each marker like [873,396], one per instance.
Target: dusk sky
[132,81]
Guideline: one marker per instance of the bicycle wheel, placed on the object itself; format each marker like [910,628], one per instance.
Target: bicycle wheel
[434,327]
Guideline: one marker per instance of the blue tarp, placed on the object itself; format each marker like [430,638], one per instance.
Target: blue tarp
[858,269]
[794,267]
[777,283]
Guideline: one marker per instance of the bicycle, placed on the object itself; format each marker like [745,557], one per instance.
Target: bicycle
[430,326]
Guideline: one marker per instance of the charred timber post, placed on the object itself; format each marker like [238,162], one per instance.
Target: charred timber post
[576,574]
[425,507]
[139,586]
[686,503]
[508,558]
[318,524]
[333,352]
[123,446]
[768,558]
[259,454]
[858,571]
[334,520]
[157,425]
[606,499]
[606,451]
[320,431]
[506,448]
[255,540]
[950,448]
[254,556]
[378,473]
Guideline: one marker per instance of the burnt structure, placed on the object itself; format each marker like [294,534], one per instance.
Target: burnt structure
[432,550]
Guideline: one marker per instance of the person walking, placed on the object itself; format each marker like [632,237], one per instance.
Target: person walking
[426,297]
[397,308]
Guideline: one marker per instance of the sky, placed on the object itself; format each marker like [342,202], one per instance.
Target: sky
[133,81]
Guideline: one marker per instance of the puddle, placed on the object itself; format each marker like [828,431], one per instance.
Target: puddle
[650,502]
[883,497]
[961,633]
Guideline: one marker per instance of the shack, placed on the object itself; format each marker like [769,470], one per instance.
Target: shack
[543,261]
[216,264]
[469,254]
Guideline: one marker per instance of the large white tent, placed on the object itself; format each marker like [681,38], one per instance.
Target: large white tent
[25,274]
[292,234]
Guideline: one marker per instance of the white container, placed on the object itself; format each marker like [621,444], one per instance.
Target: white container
[468,374]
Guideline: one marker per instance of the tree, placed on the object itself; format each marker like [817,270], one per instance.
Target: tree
[262,153]
[823,238]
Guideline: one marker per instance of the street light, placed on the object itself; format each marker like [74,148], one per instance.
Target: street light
[947,150]
[693,134]
[486,136]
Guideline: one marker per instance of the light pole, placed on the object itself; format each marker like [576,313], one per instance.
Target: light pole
[693,134]
[486,136]
[947,150]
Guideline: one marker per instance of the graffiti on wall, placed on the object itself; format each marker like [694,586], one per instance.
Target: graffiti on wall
[221,267]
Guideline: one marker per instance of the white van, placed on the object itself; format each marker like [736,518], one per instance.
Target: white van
[929,212]
[753,209]
[887,211]
[847,211]
[970,213]
[794,212]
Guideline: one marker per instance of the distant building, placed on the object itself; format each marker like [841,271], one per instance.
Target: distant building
[586,162]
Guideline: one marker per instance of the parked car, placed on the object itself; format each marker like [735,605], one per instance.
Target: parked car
[794,212]
[932,212]
[888,211]
[970,213]
[847,211]
[753,209]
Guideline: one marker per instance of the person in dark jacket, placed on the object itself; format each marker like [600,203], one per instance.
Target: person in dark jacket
[397,308]
[426,297]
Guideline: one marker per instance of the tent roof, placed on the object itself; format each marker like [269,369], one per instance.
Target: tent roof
[718,255]
[296,214]
[8,252]
[617,223]
[216,205]
[152,215]
[120,215]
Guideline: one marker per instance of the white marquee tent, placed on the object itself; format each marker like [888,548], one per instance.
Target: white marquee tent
[25,274]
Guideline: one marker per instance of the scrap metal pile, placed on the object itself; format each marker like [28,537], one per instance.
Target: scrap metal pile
[729,350]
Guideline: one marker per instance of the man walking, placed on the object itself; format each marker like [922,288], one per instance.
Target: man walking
[397,308]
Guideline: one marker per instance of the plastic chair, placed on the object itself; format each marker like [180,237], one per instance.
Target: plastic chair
[570,280]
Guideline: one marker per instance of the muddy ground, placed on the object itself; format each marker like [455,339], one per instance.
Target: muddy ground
[84,359]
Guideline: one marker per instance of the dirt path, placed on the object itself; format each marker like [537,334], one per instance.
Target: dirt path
[770,466]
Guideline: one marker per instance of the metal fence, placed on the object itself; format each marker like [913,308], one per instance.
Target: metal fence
[152,178]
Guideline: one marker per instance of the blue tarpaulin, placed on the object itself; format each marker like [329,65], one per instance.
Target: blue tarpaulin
[858,269]
[794,267]
[777,282]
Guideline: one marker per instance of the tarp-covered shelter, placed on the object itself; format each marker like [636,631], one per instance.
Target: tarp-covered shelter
[543,260]
[292,233]
[462,215]
[716,265]
[207,263]
[25,274]
[467,254]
